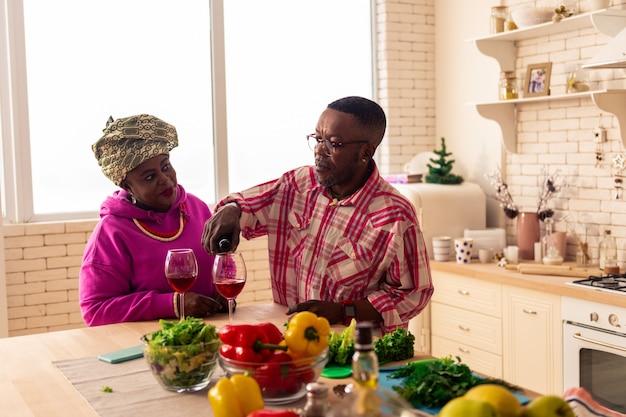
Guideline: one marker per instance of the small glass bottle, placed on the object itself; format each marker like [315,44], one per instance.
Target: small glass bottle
[507,86]
[582,257]
[498,17]
[317,403]
[551,255]
[607,251]
[509,24]
[365,372]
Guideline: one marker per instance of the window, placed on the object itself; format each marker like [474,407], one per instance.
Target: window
[80,62]
[285,61]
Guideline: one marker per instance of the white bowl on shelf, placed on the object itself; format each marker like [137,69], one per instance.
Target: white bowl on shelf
[526,17]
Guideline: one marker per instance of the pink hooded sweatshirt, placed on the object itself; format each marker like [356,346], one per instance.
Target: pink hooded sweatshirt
[122,275]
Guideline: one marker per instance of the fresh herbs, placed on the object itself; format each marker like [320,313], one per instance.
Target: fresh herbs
[395,346]
[435,383]
[106,388]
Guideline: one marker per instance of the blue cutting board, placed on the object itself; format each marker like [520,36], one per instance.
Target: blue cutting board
[384,382]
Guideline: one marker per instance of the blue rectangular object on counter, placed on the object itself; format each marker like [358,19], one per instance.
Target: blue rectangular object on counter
[122,355]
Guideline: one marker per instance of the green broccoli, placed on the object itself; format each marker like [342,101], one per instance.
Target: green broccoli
[395,346]
[341,345]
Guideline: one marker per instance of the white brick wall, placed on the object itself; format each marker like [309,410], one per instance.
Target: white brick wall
[406,73]
[42,262]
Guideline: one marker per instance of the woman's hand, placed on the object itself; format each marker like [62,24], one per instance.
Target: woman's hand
[197,305]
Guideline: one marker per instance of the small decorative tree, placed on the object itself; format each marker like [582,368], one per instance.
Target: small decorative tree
[440,171]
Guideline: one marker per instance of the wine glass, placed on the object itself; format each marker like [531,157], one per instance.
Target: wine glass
[229,277]
[181,271]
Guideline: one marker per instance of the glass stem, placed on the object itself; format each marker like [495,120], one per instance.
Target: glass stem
[230,310]
[182,306]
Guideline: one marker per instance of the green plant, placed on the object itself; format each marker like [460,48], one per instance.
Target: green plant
[440,170]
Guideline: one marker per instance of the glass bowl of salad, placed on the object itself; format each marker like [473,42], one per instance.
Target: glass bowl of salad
[182,355]
[282,379]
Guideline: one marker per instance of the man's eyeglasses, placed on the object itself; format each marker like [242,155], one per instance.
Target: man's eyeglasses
[329,146]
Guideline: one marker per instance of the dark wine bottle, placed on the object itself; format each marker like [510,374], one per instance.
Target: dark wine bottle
[224,244]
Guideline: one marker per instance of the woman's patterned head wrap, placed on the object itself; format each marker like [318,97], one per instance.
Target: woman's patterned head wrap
[130,141]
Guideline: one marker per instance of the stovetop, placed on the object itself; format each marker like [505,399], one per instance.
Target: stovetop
[611,282]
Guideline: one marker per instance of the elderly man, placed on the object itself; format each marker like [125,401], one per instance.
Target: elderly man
[343,243]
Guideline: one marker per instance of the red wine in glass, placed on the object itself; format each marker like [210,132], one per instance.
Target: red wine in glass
[181,283]
[230,288]
[181,270]
[229,277]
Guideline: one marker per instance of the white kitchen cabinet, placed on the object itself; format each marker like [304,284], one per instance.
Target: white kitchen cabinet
[532,345]
[502,47]
[498,330]
[466,322]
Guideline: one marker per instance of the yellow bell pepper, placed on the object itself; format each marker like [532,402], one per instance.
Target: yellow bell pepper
[235,397]
[306,335]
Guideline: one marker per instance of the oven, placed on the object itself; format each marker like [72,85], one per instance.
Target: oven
[594,350]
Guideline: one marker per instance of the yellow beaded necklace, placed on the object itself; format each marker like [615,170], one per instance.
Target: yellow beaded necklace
[160,236]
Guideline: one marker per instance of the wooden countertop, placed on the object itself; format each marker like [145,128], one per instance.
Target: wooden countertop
[551,284]
[32,386]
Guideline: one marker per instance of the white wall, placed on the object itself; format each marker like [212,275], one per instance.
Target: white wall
[463,75]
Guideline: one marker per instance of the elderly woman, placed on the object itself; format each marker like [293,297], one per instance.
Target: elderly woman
[122,274]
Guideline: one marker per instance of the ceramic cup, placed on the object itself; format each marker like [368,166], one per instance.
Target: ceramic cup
[463,248]
[598,4]
[485,255]
[512,254]
[441,248]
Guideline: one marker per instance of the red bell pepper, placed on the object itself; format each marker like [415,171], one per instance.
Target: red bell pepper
[278,377]
[305,374]
[250,342]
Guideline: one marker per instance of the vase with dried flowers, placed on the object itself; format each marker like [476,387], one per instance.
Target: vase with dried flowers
[502,195]
[552,185]
[528,230]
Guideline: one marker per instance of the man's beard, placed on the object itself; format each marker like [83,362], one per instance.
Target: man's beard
[328,182]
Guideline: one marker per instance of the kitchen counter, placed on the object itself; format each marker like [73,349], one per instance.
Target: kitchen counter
[549,284]
[32,386]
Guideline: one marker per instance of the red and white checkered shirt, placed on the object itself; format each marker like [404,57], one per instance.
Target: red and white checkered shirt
[367,245]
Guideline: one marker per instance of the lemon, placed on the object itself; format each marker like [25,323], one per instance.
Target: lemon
[503,401]
[467,407]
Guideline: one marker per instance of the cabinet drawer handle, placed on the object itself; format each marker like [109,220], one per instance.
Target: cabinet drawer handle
[464,328]
[464,350]
[464,292]
[527,311]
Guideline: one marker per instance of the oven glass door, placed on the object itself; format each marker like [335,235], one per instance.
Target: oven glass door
[603,375]
[596,361]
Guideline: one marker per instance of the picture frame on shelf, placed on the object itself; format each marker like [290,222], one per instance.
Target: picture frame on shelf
[538,80]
